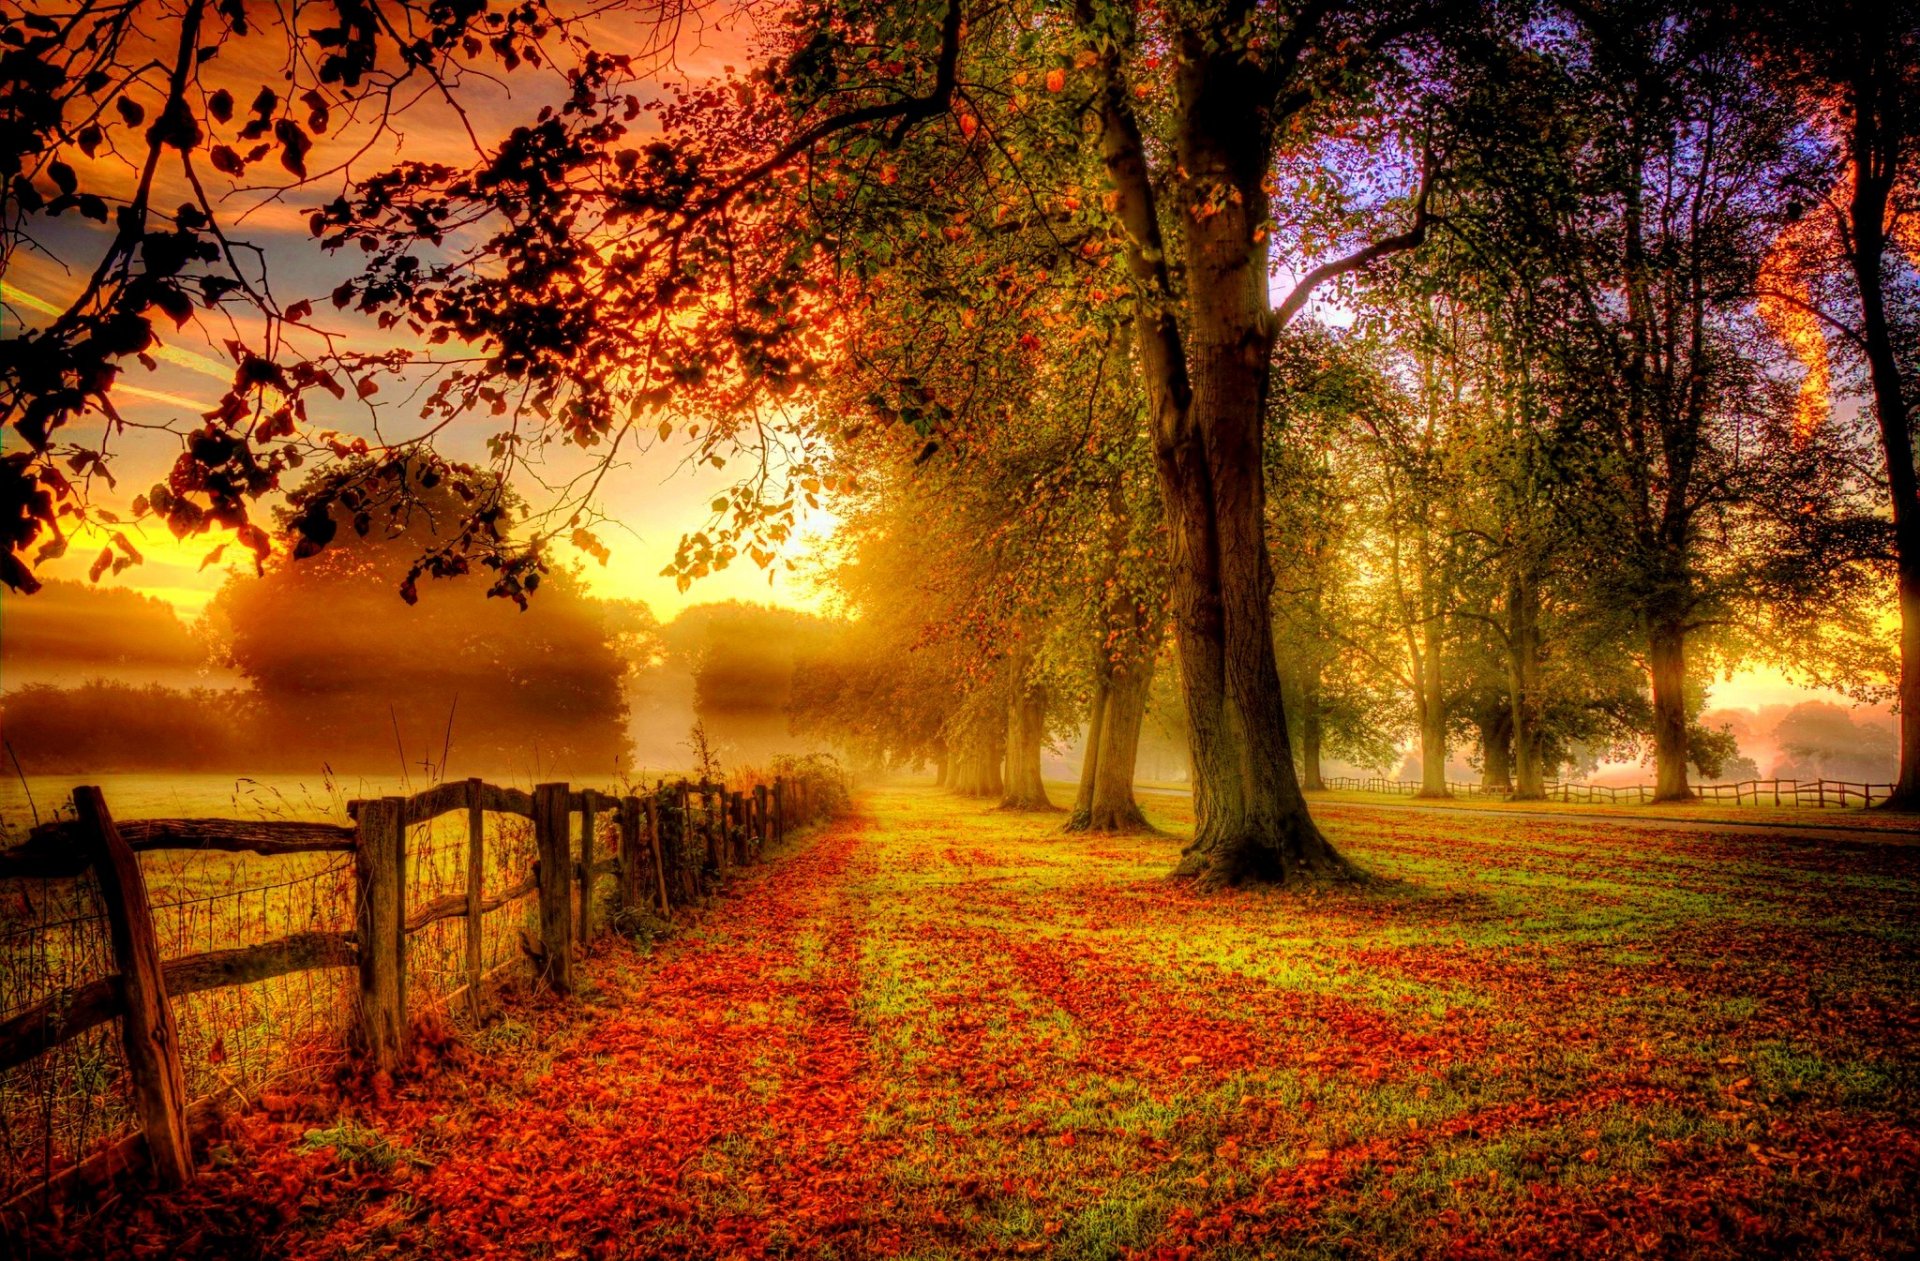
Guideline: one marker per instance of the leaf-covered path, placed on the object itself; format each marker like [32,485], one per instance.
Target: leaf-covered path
[937,1031]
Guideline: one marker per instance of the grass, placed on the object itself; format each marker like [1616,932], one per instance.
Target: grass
[940,1031]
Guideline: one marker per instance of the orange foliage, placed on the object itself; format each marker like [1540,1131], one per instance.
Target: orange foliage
[1786,303]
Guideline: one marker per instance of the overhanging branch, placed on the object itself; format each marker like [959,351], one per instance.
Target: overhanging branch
[1396,244]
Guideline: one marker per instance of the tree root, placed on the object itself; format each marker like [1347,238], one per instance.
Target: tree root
[1225,862]
[1130,822]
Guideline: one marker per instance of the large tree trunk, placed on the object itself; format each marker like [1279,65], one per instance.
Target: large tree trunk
[1026,736]
[1105,802]
[1523,687]
[1495,722]
[975,756]
[1251,820]
[1311,733]
[1667,654]
[1205,352]
[1082,815]
[1113,808]
[1433,716]
[1877,143]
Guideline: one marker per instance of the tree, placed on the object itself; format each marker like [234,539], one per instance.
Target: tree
[375,681]
[700,273]
[1854,73]
[1339,683]
[142,121]
[1646,206]
[1126,605]
[1205,326]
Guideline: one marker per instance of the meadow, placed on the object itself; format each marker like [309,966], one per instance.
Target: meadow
[937,1030]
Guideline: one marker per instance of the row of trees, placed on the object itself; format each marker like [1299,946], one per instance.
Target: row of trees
[905,253]
[1562,468]
[1559,454]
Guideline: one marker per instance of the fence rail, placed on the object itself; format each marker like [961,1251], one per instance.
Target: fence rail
[1810,793]
[662,850]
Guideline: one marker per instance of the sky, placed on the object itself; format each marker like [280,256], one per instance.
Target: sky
[655,495]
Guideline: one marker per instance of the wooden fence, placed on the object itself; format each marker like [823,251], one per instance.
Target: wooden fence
[668,847]
[1815,793]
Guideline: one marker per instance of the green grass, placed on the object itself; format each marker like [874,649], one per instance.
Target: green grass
[942,1031]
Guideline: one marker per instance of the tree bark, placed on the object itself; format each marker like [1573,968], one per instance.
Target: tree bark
[1523,687]
[1876,144]
[1433,712]
[1667,655]
[1113,808]
[1311,733]
[974,758]
[1496,750]
[1081,819]
[1026,735]
[1205,356]
[1206,387]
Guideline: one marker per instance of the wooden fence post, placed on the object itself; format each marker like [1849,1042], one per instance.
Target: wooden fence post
[587,803]
[761,816]
[550,825]
[627,815]
[146,1018]
[685,882]
[652,803]
[476,891]
[380,860]
[779,810]
[737,826]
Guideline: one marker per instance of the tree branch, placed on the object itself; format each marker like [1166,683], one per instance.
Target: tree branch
[1396,244]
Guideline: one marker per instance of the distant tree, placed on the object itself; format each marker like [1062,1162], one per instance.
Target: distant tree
[740,655]
[345,673]
[75,629]
[1342,701]
[99,726]
[1823,740]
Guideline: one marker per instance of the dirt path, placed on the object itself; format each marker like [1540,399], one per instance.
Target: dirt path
[933,1030]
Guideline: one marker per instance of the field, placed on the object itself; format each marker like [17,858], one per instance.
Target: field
[934,1030]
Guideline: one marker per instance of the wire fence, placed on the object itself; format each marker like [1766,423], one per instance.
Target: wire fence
[261,938]
[1821,794]
[438,853]
[59,1106]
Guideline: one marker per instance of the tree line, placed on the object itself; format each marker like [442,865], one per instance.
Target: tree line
[1473,364]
